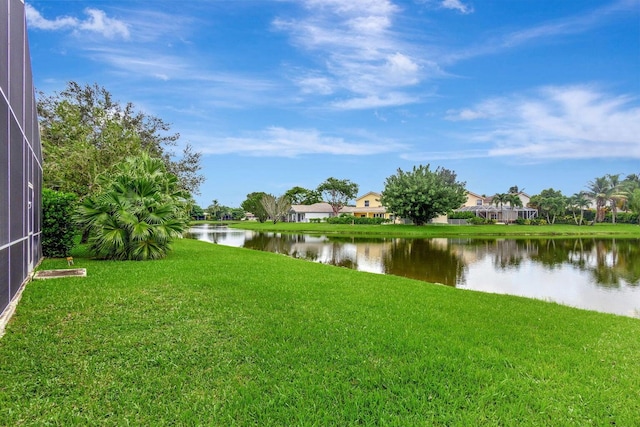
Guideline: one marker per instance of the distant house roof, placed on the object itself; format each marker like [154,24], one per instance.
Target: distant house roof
[318,208]
[493,208]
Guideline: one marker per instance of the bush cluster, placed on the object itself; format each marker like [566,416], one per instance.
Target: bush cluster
[350,219]
[58,226]
[461,215]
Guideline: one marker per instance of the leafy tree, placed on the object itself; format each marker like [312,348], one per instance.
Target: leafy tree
[237,214]
[84,133]
[139,209]
[550,203]
[253,204]
[196,212]
[422,194]
[338,192]
[58,227]
[303,196]
[276,207]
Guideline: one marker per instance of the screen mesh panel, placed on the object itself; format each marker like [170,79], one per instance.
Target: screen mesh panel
[20,156]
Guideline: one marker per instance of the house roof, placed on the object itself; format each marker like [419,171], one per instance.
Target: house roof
[493,208]
[322,207]
[370,193]
[375,209]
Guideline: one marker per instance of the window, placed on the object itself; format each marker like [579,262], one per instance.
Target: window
[479,202]
[378,215]
[366,203]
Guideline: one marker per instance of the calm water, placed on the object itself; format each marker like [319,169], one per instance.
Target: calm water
[595,274]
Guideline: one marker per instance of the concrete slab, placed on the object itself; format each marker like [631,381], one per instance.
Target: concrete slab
[55,274]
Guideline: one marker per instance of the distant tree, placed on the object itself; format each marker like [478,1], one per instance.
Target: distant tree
[214,209]
[84,133]
[550,203]
[338,192]
[237,214]
[515,190]
[578,202]
[138,211]
[253,204]
[196,212]
[500,199]
[422,194]
[600,190]
[634,202]
[276,207]
[617,196]
[303,196]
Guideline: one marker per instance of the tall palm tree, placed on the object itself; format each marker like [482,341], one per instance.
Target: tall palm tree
[138,212]
[617,195]
[600,190]
[499,199]
[514,201]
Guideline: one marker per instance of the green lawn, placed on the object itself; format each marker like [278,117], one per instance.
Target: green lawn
[445,230]
[215,335]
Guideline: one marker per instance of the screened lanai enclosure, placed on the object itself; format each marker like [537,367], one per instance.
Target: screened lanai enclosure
[20,157]
[500,214]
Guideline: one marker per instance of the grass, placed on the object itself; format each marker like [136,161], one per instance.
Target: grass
[215,335]
[445,230]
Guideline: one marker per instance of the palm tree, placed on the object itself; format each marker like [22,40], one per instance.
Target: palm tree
[617,194]
[138,212]
[499,199]
[514,201]
[600,191]
[580,202]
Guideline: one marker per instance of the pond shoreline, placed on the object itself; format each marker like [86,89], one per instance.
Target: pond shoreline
[595,273]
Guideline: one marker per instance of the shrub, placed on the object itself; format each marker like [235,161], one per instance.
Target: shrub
[539,221]
[350,219]
[461,215]
[476,220]
[58,227]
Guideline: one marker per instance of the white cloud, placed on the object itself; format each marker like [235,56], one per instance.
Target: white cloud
[568,122]
[363,57]
[456,5]
[283,142]
[100,23]
[550,30]
[36,20]
[97,22]
[374,101]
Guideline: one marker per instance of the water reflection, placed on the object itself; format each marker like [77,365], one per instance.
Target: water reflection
[597,274]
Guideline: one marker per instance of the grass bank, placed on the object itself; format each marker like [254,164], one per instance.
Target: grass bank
[215,335]
[445,230]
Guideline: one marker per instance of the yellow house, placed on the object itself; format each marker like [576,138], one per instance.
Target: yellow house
[369,206]
[473,199]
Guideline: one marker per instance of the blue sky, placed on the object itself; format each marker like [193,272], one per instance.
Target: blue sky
[279,93]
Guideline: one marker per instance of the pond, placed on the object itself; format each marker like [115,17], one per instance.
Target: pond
[594,274]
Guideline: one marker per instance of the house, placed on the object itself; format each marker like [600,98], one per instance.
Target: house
[369,206]
[473,199]
[485,207]
[20,161]
[317,211]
